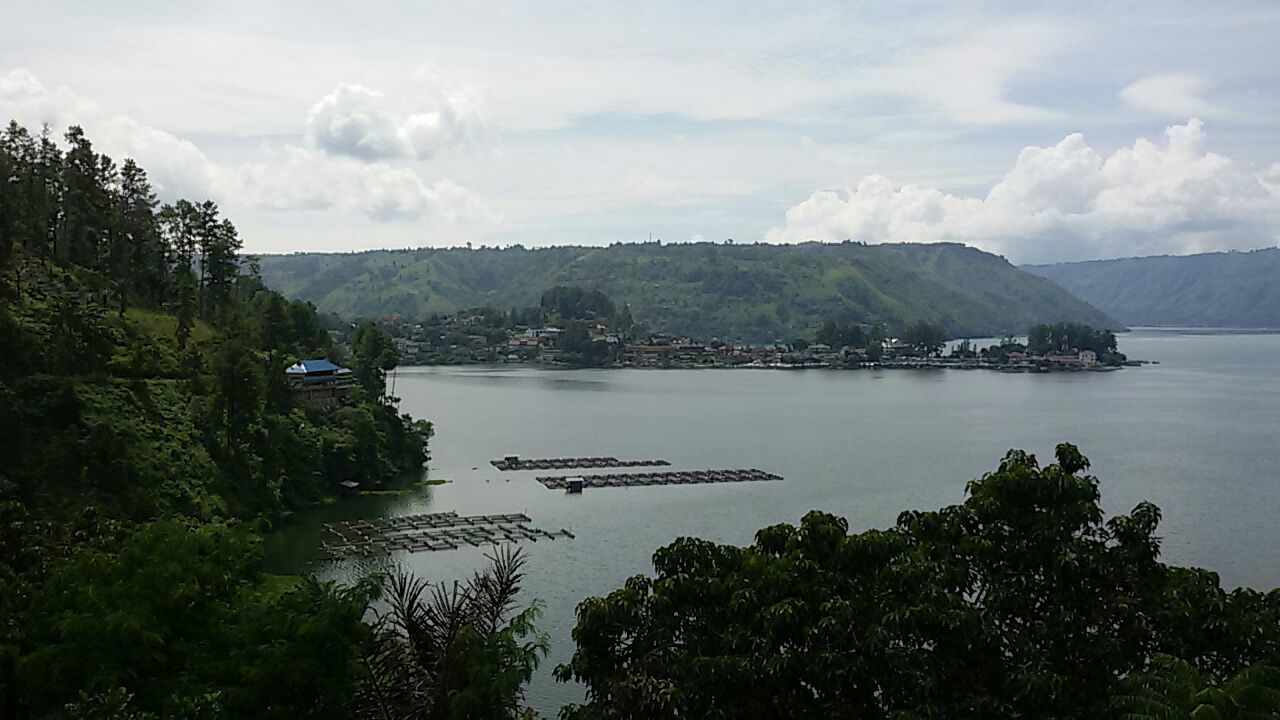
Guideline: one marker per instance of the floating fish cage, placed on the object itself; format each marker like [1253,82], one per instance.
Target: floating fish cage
[431,532]
[687,477]
[513,462]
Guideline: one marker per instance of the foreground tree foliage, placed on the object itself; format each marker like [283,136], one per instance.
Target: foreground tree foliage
[1021,602]
[1173,689]
[452,651]
[102,619]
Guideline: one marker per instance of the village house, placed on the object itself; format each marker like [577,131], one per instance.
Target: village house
[1064,359]
[319,383]
[546,332]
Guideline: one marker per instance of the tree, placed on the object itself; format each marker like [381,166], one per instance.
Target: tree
[219,245]
[138,262]
[238,385]
[375,353]
[178,225]
[1021,602]
[1070,337]
[838,335]
[926,337]
[46,188]
[164,620]
[273,331]
[86,208]
[1172,688]
[452,651]
[572,302]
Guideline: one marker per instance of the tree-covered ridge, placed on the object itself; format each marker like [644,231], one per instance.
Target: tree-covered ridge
[1024,601]
[1232,289]
[748,293]
[144,368]
[144,416]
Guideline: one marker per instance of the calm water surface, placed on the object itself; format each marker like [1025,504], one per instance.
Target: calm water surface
[1198,434]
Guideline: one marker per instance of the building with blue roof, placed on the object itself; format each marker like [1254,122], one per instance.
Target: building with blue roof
[319,383]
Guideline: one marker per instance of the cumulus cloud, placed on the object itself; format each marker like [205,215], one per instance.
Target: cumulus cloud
[361,122]
[1066,202]
[289,178]
[295,178]
[176,167]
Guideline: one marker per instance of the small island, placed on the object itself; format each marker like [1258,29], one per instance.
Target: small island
[575,328]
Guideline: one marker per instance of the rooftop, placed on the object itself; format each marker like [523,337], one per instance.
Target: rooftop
[313,366]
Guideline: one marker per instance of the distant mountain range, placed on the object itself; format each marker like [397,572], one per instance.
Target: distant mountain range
[746,293]
[1232,289]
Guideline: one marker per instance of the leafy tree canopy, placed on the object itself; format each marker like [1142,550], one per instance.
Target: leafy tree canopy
[1024,601]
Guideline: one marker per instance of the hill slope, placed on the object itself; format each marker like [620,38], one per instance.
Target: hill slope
[1236,289]
[753,293]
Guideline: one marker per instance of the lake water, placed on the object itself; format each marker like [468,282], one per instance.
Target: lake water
[1198,434]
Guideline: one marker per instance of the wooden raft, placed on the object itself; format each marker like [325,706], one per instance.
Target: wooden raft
[513,462]
[431,532]
[687,477]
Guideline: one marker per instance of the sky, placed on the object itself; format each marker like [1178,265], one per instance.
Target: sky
[1042,132]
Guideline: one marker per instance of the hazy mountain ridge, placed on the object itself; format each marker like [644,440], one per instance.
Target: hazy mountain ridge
[753,293]
[1221,289]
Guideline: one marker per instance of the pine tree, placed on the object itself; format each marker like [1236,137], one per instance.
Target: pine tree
[178,223]
[138,255]
[85,216]
[45,190]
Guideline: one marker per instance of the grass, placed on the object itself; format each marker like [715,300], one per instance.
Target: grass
[162,324]
[276,585]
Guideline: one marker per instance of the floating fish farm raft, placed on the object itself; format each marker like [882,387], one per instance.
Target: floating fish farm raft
[689,477]
[514,462]
[430,532]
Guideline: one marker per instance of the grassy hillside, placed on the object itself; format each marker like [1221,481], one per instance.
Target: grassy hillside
[1211,290]
[754,293]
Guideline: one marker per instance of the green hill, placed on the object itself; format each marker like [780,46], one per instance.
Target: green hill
[752,293]
[1234,289]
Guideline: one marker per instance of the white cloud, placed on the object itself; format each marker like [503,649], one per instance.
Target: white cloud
[360,122]
[295,178]
[1172,95]
[289,178]
[176,167]
[967,80]
[1065,202]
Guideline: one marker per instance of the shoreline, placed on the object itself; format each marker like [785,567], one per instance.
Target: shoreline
[1012,369]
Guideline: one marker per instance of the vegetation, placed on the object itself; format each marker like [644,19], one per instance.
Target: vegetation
[1070,337]
[458,651]
[148,432]
[741,293]
[145,360]
[145,418]
[482,334]
[1021,602]
[1232,289]
[167,619]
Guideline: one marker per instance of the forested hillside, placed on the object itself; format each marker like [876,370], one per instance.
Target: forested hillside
[146,432]
[144,360]
[753,293]
[1235,289]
